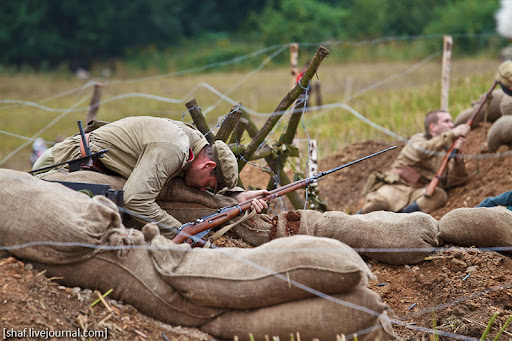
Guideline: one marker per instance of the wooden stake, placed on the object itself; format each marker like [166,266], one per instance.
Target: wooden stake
[294,71]
[445,72]
[317,88]
[229,124]
[94,105]
[285,103]
[199,120]
[238,132]
[252,129]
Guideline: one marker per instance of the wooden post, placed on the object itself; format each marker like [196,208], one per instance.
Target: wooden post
[94,105]
[252,129]
[313,160]
[277,168]
[229,123]
[348,89]
[445,72]
[294,71]
[285,103]
[199,121]
[240,127]
[318,94]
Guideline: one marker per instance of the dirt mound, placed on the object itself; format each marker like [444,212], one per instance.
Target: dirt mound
[30,300]
[454,291]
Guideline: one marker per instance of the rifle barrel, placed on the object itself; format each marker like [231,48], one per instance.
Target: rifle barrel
[319,175]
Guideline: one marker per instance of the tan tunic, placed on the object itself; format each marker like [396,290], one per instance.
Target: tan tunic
[425,157]
[416,155]
[147,151]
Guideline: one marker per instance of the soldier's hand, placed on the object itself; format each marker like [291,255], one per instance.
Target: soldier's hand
[256,204]
[458,143]
[461,130]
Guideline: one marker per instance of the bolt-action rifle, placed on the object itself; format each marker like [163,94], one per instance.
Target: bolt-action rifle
[193,232]
[429,191]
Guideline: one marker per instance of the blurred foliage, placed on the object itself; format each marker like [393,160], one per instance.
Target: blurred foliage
[45,34]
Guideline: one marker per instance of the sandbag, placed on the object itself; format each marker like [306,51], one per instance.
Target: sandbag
[500,133]
[116,182]
[480,227]
[135,281]
[492,108]
[245,278]
[506,105]
[313,318]
[35,210]
[379,230]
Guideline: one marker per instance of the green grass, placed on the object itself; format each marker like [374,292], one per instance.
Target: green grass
[398,105]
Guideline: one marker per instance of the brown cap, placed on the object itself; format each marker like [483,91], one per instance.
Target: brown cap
[504,77]
[227,166]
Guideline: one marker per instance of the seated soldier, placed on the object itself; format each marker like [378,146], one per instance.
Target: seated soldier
[402,188]
[150,151]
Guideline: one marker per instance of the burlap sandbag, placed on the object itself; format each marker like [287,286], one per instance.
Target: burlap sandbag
[313,318]
[500,133]
[246,278]
[480,227]
[375,230]
[35,210]
[116,182]
[492,108]
[135,281]
[506,105]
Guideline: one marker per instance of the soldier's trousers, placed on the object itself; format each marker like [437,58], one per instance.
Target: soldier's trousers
[394,197]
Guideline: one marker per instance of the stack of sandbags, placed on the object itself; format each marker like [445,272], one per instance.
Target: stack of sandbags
[80,241]
[500,133]
[34,210]
[274,289]
[382,230]
[479,226]
[218,290]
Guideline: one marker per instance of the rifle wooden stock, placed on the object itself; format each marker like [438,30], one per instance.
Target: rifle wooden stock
[429,191]
[231,212]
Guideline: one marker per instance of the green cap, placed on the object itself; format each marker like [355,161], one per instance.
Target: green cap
[227,166]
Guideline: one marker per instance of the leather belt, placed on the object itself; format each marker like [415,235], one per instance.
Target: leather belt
[409,175]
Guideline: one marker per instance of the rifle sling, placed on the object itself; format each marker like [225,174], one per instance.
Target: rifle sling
[248,214]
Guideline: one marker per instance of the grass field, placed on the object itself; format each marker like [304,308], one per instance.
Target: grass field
[394,95]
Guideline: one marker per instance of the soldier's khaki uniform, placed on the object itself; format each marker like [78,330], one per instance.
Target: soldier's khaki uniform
[390,192]
[147,151]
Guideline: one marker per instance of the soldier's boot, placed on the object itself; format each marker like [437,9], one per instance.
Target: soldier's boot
[412,207]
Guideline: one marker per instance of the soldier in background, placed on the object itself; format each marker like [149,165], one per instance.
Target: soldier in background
[401,188]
